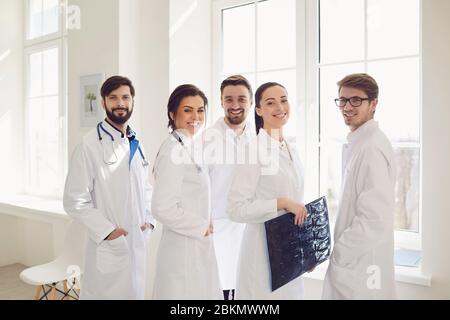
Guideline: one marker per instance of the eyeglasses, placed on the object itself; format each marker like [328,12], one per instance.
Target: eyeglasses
[354,101]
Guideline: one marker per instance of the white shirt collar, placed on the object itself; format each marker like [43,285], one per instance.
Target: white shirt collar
[264,137]
[247,133]
[362,131]
[112,130]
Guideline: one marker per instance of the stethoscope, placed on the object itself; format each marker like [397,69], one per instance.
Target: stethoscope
[178,138]
[111,162]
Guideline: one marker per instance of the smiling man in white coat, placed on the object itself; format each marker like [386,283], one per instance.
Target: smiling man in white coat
[228,138]
[361,265]
[108,192]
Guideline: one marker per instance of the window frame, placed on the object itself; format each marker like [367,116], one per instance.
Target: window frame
[54,40]
[403,239]
[51,36]
[217,51]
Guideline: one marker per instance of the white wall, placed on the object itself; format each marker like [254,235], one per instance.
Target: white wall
[436,145]
[191,44]
[11,94]
[34,242]
[92,49]
[153,65]
[129,45]
[154,93]
[8,237]
[29,238]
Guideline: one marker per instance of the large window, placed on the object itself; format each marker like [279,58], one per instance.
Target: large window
[366,36]
[45,99]
[309,45]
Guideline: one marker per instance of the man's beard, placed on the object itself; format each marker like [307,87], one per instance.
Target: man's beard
[119,120]
[236,120]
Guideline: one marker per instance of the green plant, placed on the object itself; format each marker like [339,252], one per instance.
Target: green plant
[91,97]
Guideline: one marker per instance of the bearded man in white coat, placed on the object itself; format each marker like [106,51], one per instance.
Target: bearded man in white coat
[108,192]
[225,143]
[361,264]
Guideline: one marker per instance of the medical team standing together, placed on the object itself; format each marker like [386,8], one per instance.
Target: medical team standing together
[214,189]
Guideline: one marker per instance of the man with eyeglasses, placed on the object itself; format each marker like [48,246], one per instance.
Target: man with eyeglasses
[361,264]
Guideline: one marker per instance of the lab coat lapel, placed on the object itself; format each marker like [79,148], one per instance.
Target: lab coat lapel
[297,168]
[351,149]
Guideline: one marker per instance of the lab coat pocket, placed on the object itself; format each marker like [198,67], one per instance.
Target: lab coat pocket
[147,234]
[343,280]
[113,256]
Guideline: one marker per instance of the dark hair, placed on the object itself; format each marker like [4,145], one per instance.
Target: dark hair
[181,92]
[115,83]
[237,80]
[259,122]
[361,81]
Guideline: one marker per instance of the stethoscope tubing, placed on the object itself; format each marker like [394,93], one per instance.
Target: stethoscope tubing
[100,138]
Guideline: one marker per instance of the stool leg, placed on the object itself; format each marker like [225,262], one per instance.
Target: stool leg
[66,289]
[53,292]
[77,286]
[37,295]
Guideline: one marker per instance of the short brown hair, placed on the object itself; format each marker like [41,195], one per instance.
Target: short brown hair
[237,80]
[361,81]
[115,83]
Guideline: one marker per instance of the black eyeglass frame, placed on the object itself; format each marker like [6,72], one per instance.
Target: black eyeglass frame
[338,100]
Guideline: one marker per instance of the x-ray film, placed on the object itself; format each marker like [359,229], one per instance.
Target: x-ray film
[293,249]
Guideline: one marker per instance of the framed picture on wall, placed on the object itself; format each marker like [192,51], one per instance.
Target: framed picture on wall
[91,111]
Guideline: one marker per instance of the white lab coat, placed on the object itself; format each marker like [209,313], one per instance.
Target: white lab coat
[103,197]
[253,200]
[361,265]
[227,234]
[186,266]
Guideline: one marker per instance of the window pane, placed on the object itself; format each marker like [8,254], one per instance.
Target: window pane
[333,132]
[399,103]
[251,77]
[43,144]
[276,34]
[35,16]
[341,30]
[35,74]
[43,18]
[407,188]
[385,28]
[50,16]
[43,149]
[34,138]
[288,79]
[51,74]
[239,39]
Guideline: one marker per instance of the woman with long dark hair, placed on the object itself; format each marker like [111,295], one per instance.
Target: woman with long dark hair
[264,190]
[186,263]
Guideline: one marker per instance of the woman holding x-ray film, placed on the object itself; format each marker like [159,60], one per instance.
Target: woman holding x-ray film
[263,190]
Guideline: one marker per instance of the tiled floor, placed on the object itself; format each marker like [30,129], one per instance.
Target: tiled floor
[11,287]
